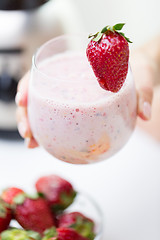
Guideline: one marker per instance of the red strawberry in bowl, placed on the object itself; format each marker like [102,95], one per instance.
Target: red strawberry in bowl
[108,55]
[79,222]
[62,234]
[10,193]
[5,215]
[58,192]
[33,213]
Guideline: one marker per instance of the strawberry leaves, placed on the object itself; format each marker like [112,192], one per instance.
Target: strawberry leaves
[128,40]
[50,233]
[19,234]
[116,28]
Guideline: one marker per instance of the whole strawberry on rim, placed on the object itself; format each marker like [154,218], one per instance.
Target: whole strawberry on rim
[108,55]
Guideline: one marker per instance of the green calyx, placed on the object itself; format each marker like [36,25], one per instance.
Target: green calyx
[84,227]
[3,211]
[19,234]
[3,208]
[50,233]
[20,198]
[116,28]
[65,201]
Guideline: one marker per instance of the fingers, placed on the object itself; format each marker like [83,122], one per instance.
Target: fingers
[143,72]
[145,93]
[21,114]
[22,123]
[152,126]
[144,103]
[31,142]
[22,91]
[24,127]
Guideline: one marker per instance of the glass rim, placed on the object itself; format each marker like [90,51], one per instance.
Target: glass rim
[35,55]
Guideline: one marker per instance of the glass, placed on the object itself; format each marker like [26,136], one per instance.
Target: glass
[70,115]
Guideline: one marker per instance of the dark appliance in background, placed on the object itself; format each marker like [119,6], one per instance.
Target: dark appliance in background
[24,26]
[20,4]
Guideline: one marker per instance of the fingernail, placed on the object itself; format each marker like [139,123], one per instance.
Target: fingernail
[22,129]
[147,110]
[18,98]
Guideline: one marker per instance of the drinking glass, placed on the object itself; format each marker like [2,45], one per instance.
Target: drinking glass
[70,115]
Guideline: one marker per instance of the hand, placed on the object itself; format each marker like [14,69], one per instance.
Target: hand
[152,126]
[145,67]
[22,119]
[145,64]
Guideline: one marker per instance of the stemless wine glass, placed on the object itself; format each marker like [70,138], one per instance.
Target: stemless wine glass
[70,115]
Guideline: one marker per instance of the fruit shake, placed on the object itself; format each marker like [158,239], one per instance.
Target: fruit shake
[71,116]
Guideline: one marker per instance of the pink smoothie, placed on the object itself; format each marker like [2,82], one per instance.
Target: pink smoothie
[72,117]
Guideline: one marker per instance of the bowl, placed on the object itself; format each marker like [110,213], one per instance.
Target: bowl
[86,205]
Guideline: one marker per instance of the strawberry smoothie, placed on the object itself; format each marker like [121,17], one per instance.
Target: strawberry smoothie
[72,117]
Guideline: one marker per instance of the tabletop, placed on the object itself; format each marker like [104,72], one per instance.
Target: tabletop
[126,187]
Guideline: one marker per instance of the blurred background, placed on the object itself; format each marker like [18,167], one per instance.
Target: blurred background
[141,16]
[26,24]
[126,186]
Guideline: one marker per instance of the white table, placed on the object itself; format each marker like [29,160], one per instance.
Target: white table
[127,186]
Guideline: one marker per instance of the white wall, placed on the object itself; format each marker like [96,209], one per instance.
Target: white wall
[142,17]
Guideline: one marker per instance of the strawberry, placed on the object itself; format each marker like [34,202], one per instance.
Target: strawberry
[33,213]
[58,192]
[19,234]
[108,55]
[62,234]
[76,220]
[5,215]
[9,193]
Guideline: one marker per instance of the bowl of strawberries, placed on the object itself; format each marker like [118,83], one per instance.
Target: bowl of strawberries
[56,211]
